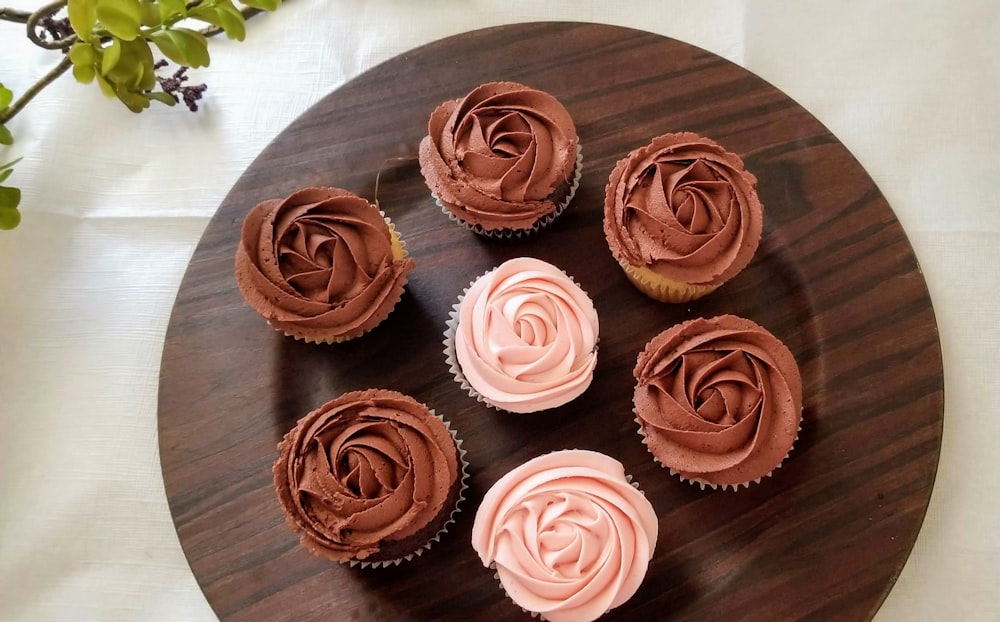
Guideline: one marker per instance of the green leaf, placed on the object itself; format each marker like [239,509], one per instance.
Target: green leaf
[136,102]
[83,57]
[9,165]
[205,14]
[172,8]
[82,53]
[10,218]
[231,20]
[223,15]
[167,46]
[125,75]
[5,174]
[183,46]
[84,73]
[112,54]
[5,136]
[9,199]
[138,49]
[159,96]
[120,17]
[134,70]
[6,96]
[267,5]
[82,16]
[150,13]
[106,87]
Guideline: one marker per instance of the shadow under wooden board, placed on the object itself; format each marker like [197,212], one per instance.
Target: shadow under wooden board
[835,278]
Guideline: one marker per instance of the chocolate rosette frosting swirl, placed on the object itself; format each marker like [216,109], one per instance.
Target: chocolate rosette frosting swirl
[685,208]
[370,476]
[526,336]
[501,157]
[321,264]
[569,536]
[719,400]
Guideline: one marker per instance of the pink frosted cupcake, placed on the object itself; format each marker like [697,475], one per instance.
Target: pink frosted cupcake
[523,337]
[718,401]
[569,536]
[371,477]
[503,160]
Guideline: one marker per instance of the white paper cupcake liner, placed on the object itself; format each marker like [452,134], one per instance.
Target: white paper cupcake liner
[455,511]
[393,232]
[503,588]
[451,357]
[545,221]
[702,483]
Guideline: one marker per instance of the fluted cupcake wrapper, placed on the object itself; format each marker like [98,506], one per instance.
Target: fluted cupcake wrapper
[399,253]
[702,483]
[663,289]
[496,577]
[544,221]
[451,357]
[455,511]
[398,243]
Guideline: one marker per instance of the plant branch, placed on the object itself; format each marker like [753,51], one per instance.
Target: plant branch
[247,13]
[48,10]
[32,20]
[13,15]
[35,89]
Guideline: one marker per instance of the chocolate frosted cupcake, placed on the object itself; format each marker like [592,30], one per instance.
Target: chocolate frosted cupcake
[504,160]
[718,401]
[372,477]
[682,216]
[568,534]
[322,265]
[523,337]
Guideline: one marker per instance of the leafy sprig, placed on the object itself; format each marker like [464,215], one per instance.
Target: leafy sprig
[115,40]
[112,43]
[9,197]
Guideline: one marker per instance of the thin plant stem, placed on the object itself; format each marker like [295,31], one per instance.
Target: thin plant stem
[13,15]
[35,89]
[48,10]
[247,13]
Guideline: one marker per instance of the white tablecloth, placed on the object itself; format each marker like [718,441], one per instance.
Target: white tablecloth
[114,204]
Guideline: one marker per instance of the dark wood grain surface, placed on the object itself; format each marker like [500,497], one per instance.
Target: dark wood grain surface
[834,278]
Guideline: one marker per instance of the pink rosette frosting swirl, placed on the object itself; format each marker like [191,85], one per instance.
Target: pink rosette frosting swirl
[569,536]
[685,208]
[719,400]
[526,338]
[497,156]
[321,263]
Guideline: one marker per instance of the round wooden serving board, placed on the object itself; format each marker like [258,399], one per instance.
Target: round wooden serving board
[834,278]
